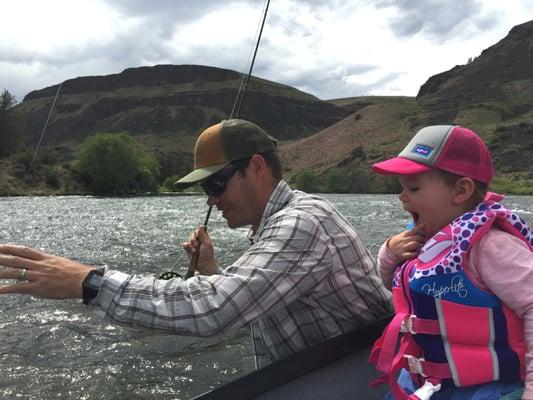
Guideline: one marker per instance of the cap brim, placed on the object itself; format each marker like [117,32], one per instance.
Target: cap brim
[400,166]
[199,174]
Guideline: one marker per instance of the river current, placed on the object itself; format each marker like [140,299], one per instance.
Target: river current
[56,349]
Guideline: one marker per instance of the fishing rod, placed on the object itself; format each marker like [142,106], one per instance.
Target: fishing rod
[239,99]
[193,264]
[246,78]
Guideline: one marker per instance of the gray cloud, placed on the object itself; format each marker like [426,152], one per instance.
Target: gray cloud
[338,87]
[294,48]
[325,80]
[167,10]
[438,19]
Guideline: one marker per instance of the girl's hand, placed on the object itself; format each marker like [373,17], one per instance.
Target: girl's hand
[406,245]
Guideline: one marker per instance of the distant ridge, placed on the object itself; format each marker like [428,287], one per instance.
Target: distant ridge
[133,77]
[172,100]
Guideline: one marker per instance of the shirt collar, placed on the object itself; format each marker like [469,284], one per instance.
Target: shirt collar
[278,199]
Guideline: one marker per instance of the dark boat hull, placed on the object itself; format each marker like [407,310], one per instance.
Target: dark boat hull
[334,369]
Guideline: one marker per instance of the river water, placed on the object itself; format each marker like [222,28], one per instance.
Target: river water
[56,349]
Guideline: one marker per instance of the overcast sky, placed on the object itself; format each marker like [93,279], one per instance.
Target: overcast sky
[336,48]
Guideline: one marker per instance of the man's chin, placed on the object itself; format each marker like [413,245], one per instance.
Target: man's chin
[234,224]
[229,222]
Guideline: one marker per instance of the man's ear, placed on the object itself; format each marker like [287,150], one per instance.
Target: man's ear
[463,189]
[258,165]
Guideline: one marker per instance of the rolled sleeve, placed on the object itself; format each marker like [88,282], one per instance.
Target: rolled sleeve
[287,262]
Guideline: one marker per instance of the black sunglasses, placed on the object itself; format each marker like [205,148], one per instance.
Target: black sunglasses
[216,184]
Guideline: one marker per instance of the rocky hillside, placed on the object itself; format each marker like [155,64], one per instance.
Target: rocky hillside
[165,107]
[493,95]
[176,100]
[502,73]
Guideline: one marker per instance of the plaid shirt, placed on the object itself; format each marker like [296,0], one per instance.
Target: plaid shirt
[307,277]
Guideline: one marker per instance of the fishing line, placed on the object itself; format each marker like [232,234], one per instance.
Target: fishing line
[42,134]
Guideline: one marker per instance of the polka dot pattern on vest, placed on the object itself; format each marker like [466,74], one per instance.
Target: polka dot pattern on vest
[462,232]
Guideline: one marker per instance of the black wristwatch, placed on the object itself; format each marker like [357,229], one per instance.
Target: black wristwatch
[91,285]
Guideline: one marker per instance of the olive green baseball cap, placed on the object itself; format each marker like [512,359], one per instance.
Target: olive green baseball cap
[224,142]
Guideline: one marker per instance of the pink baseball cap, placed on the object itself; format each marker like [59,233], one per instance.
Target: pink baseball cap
[449,148]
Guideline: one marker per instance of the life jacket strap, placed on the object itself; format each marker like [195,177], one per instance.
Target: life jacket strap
[391,361]
[398,363]
[413,325]
[384,349]
[426,369]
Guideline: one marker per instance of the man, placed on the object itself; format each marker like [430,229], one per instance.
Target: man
[305,278]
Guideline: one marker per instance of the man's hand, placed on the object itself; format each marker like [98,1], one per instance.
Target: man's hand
[200,241]
[405,246]
[46,275]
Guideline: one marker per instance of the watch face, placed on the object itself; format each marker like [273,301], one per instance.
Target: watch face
[91,285]
[94,280]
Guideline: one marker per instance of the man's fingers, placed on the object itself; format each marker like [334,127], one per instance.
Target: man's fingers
[18,262]
[190,246]
[22,288]
[21,251]
[203,236]
[13,273]
[193,239]
[199,234]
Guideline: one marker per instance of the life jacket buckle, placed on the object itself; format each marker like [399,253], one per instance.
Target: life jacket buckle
[427,390]
[415,364]
[407,324]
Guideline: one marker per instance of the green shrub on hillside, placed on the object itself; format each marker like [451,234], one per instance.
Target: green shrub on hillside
[112,164]
[9,124]
[358,180]
[307,181]
[516,185]
[385,184]
[168,183]
[336,182]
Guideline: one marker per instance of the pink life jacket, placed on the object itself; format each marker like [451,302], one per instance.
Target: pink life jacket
[455,334]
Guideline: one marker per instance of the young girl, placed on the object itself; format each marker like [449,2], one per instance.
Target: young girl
[462,277]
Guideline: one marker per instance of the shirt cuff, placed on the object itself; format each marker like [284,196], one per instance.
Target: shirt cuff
[113,284]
